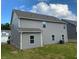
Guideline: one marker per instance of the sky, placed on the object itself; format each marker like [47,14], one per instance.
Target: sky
[63,9]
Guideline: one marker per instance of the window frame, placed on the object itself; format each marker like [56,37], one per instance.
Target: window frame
[44,24]
[53,37]
[62,37]
[32,39]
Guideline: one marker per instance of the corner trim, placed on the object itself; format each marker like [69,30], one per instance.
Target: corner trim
[20,40]
[41,41]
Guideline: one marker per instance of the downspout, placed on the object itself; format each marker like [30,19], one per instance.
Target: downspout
[41,40]
[20,40]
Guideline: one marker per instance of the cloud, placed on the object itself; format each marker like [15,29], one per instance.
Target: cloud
[22,8]
[57,10]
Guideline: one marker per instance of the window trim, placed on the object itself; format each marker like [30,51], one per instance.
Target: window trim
[53,37]
[62,37]
[44,24]
[31,39]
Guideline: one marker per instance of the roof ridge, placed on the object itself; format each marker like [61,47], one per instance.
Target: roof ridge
[36,16]
[34,13]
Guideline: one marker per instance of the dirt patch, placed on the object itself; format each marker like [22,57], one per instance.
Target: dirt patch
[14,52]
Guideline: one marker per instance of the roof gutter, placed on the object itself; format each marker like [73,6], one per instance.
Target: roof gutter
[42,20]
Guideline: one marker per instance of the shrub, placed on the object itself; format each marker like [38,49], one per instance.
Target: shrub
[61,41]
[8,41]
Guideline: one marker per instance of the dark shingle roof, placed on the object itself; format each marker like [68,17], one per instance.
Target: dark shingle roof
[70,21]
[38,17]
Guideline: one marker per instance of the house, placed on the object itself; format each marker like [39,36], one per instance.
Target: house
[5,36]
[71,28]
[30,30]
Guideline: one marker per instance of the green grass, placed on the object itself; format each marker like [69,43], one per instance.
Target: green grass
[53,51]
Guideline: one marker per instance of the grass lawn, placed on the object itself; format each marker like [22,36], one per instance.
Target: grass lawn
[53,51]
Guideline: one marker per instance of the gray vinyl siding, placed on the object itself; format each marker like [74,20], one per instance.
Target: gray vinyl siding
[71,29]
[15,35]
[51,29]
[21,39]
[26,40]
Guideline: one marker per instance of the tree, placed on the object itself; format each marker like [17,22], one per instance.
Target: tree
[5,26]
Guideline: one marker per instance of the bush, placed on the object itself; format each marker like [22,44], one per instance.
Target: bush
[8,41]
[61,41]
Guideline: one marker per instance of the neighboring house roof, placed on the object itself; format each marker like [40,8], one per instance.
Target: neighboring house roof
[70,21]
[30,29]
[37,17]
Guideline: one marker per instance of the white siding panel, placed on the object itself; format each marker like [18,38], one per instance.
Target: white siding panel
[51,29]
[26,40]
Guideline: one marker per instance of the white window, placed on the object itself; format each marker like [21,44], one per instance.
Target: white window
[31,39]
[62,37]
[44,24]
[53,37]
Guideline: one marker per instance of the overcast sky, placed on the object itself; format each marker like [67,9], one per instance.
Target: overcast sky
[65,9]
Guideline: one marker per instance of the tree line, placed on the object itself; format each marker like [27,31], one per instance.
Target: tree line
[5,26]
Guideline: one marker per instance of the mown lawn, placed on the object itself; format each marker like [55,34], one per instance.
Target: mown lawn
[54,51]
